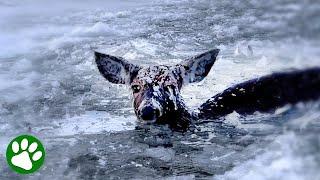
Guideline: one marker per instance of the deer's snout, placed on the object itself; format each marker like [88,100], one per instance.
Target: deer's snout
[149,113]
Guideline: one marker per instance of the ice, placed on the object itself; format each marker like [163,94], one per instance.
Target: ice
[282,159]
[160,153]
[98,29]
[51,88]
[233,119]
[94,122]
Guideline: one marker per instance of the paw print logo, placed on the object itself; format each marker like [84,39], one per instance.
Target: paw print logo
[25,154]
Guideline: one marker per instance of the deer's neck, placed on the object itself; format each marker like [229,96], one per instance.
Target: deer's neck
[179,115]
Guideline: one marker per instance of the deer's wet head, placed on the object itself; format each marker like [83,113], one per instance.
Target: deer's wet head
[156,89]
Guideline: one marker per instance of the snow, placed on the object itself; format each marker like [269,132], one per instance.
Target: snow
[51,88]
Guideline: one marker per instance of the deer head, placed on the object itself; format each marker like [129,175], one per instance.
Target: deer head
[156,89]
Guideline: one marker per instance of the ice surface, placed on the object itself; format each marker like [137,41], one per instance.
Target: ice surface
[50,87]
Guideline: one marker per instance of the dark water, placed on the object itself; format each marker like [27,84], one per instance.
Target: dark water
[50,87]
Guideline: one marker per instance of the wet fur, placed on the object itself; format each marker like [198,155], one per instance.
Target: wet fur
[264,94]
[160,88]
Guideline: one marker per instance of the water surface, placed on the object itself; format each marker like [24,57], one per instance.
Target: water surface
[50,87]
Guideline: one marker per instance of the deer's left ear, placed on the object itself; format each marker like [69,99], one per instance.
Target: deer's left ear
[198,67]
[115,69]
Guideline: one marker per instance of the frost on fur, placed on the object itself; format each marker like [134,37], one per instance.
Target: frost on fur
[156,89]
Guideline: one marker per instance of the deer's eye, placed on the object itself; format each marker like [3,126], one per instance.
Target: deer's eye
[136,88]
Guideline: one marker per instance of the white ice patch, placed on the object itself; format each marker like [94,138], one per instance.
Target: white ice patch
[281,160]
[98,29]
[165,154]
[4,141]
[233,118]
[311,116]
[243,50]
[262,62]
[14,88]
[282,109]
[144,46]
[22,65]
[94,122]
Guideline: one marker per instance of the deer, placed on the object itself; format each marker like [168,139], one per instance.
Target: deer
[156,89]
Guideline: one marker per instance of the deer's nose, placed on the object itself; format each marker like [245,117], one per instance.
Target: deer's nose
[149,113]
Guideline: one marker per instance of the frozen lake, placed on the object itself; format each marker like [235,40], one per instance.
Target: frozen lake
[50,87]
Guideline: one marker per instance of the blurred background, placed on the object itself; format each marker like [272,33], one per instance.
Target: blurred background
[50,87]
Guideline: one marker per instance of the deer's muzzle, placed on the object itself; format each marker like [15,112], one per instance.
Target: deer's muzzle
[149,113]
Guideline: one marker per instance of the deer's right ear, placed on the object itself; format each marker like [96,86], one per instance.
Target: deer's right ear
[116,69]
[197,68]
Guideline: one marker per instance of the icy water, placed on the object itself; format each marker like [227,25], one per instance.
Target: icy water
[50,87]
